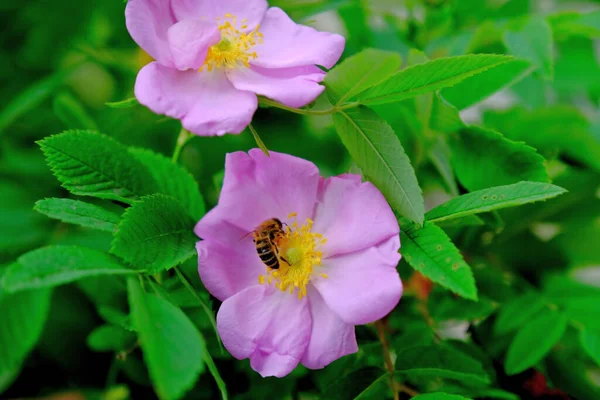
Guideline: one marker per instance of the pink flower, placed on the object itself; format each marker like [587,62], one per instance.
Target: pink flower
[214,56]
[341,249]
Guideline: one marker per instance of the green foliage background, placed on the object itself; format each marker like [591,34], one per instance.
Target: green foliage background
[479,120]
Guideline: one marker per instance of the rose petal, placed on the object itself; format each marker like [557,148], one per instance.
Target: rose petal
[331,338]
[213,227]
[362,287]
[257,188]
[189,41]
[269,326]
[209,10]
[227,270]
[206,102]
[352,215]
[294,87]
[147,22]
[287,44]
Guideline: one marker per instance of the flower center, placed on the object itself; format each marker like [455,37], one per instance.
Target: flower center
[299,256]
[235,47]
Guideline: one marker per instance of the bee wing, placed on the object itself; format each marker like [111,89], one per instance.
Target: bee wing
[246,235]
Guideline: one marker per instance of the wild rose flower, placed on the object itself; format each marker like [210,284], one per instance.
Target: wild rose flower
[341,242]
[214,56]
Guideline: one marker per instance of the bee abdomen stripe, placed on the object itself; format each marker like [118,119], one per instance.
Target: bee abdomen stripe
[272,264]
[267,257]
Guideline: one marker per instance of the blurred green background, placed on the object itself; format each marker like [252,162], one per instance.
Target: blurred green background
[62,61]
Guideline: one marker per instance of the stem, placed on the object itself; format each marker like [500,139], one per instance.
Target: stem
[259,142]
[301,111]
[142,283]
[204,306]
[215,373]
[113,372]
[389,365]
[423,309]
[182,139]
[346,106]
[406,389]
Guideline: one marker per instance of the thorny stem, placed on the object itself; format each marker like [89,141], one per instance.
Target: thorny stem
[182,139]
[389,365]
[204,306]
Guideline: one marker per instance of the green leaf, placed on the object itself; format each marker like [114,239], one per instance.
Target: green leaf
[468,220]
[440,158]
[440,361]
[418,333]
[173,180]
[493,393]
[21,228]
[572,374]
[130,102]
[110,338]
[505,162]
[72,113]
[57,265]
[429,250]
[518,312]
[479,87]
[7,378]
[534,341]
[173,348]
[356,385]
[494,198]
[532,41]
[444,116]
[439,396]
[302,9]
[156,233]
[567,24]
[579,301]
[23,318]
[79,213]
[359,72]
[449,307]
[590,341]
[478,393]
[115,317]
[92,164]
[30,98]
[544,129]
[429,77]
[377,151]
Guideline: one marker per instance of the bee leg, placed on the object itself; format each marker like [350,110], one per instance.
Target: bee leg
[286,261]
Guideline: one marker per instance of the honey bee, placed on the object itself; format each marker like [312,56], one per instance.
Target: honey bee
[266,237]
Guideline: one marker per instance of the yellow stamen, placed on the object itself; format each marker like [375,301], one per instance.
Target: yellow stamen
[235,46]
[300,248]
